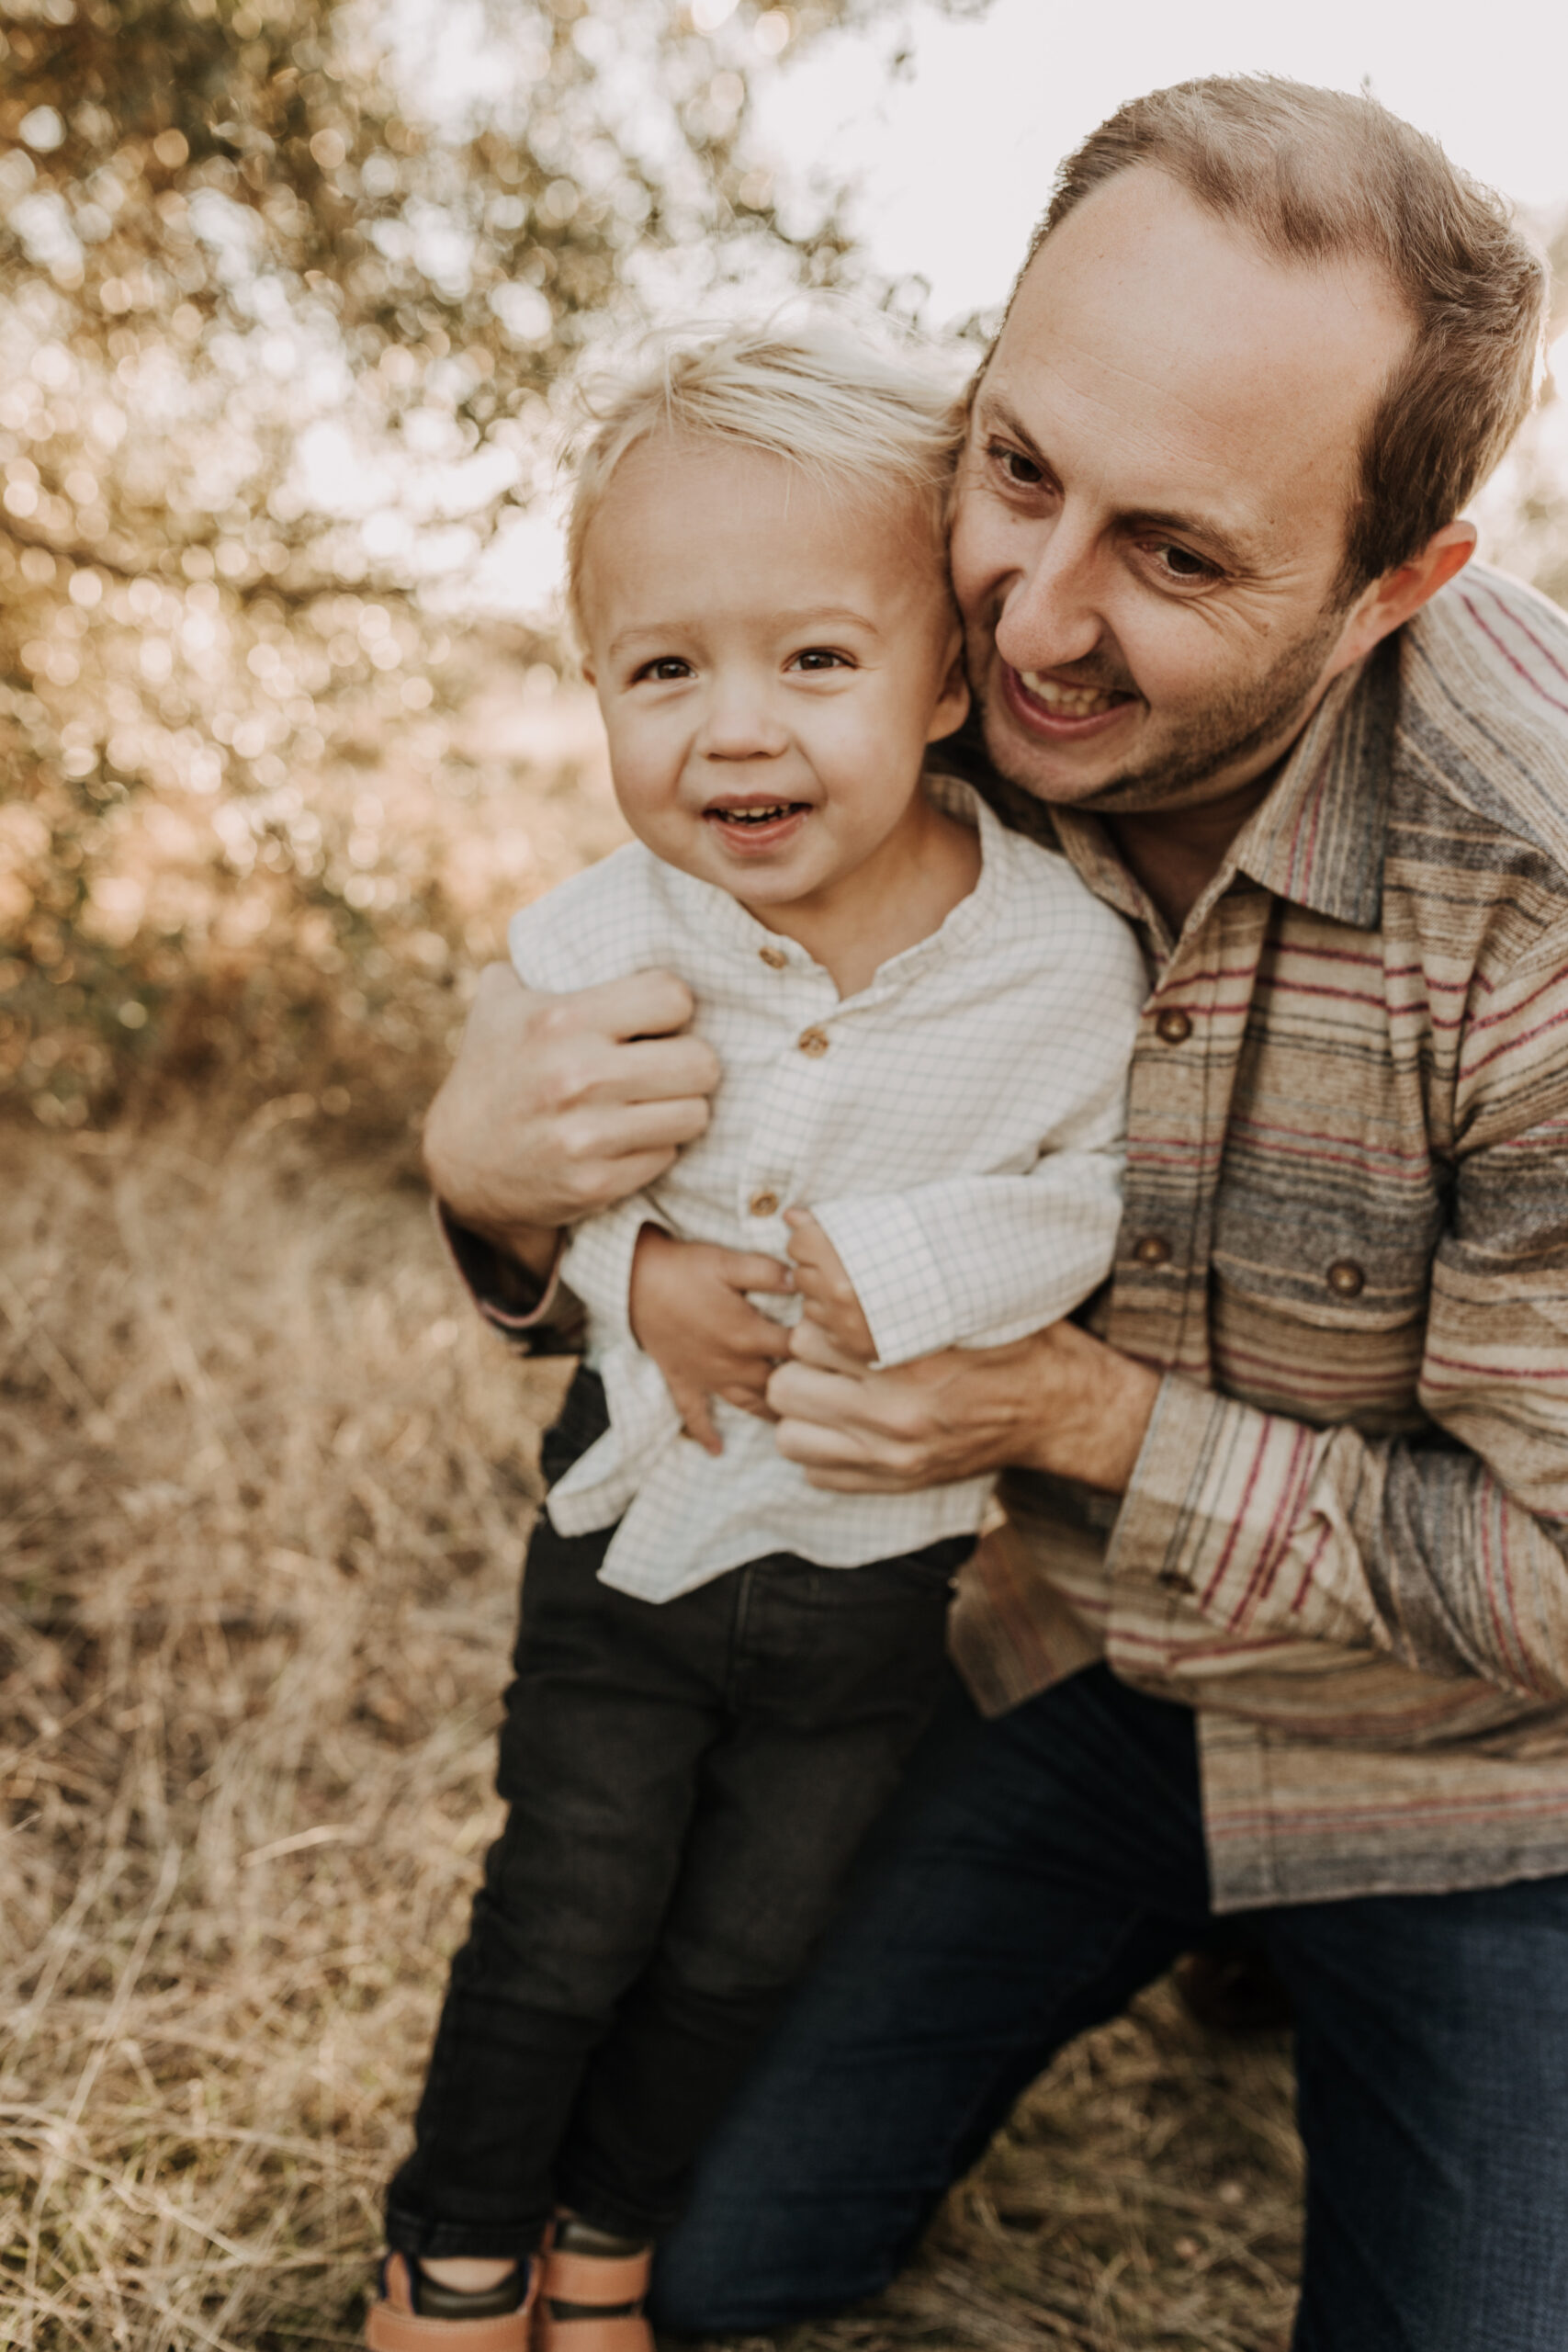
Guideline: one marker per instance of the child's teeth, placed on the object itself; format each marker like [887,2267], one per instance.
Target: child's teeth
[1073,702]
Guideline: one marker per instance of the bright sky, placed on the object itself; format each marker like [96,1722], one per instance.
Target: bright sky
[957,159]
[955,156]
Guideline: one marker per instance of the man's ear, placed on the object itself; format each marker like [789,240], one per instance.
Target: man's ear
[1390,602]
[953,703]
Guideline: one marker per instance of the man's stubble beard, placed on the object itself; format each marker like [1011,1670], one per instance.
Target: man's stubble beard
[1219,740]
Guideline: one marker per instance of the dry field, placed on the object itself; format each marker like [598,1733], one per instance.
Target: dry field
[265,1487]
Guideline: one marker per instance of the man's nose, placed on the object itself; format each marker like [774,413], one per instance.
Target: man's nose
[1051,613]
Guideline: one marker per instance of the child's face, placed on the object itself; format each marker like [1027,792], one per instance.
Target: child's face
[772,660]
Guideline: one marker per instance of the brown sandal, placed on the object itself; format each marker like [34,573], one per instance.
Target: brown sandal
[591,2302]
[392,2324]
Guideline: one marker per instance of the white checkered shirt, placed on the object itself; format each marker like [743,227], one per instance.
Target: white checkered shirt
[957,1127]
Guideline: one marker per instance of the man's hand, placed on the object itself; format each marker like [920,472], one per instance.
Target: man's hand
[690,1314]
[1059,1401]
[828,1293]
[558,1106]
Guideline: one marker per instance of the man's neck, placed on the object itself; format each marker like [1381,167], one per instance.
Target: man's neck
[1176,853]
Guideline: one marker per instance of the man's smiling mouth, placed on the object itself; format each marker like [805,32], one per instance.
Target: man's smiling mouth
[1070,702]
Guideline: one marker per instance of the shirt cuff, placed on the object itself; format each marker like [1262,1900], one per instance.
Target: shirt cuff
[1226,1510]
[898,1278]
[534,1310]
[597,1265]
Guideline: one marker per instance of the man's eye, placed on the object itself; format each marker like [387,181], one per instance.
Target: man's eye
[1015,467]
[1180,563]
[818,657]
[669,666]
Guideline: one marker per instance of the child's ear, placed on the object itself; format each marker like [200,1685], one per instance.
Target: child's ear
[588,677]
[953,703]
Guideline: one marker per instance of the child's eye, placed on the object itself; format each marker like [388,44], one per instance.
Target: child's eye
[820,657]
[668,667]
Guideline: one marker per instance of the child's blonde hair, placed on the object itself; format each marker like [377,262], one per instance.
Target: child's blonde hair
[827,400]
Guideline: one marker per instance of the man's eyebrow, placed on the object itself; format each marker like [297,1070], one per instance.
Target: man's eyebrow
[991,405]
[1230,546]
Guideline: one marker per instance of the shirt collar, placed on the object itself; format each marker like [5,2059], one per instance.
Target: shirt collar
[1318,838]
[715,915]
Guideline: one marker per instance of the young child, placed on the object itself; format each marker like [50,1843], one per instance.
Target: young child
[923,1022]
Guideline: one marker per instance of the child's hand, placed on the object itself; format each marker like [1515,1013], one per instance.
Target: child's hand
[829,1295]
[690,1314]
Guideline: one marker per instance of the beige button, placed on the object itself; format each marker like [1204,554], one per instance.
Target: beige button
[764,1203]
[1346,1278]
[773,958]
[813,1042]
[1174,1026]
[1152,1249]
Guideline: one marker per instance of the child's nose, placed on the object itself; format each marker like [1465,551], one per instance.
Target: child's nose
[742,726]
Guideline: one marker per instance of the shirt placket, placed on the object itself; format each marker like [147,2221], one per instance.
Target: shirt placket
[1185,1057]
[781,1141]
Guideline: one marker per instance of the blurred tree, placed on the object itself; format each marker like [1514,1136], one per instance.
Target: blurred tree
[1523,511]
[286,287]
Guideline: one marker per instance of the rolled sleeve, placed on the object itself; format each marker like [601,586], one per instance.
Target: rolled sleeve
[536,1312]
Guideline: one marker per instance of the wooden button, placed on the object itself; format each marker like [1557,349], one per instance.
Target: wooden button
[1346,1278]
[1152,1249]
[813,1042]
[764,1203]
[1173,1580]
[773,958]
[1174,1026]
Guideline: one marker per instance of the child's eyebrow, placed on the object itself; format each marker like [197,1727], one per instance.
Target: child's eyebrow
[831,616]
[810,618]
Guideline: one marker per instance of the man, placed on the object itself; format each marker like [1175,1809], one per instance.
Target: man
[1280,1626]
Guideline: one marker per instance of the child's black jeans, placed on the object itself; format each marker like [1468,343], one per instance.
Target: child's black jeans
[689,1782]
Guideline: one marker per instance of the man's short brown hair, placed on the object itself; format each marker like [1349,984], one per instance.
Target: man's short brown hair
[1320,175]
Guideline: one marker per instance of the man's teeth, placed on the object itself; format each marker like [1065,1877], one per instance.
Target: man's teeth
[1073,702]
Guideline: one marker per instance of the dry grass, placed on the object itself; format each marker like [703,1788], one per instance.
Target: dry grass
[265,1487]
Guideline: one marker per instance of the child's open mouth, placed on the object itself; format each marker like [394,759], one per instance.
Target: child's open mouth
[755,825]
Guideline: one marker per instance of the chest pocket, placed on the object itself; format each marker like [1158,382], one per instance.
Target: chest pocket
[1330,1202]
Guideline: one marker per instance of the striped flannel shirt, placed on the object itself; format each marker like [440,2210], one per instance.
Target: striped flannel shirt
[1345,1241]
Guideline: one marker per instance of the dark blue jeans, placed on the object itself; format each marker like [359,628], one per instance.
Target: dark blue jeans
[1035,1872]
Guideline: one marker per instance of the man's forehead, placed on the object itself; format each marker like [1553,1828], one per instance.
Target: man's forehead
[1143,234]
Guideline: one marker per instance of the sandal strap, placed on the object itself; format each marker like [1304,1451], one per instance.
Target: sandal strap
[393,2325]
[594,2332]
[593,2303]
[591,2278]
